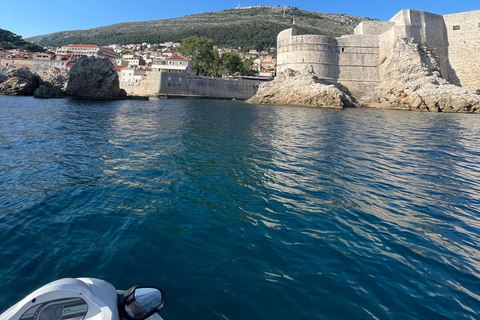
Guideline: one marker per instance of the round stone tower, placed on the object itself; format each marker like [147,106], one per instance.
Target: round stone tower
[297,51]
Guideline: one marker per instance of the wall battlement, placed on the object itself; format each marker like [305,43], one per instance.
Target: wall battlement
[356,61]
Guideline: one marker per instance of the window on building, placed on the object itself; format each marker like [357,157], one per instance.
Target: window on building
[456,27]
[479,25]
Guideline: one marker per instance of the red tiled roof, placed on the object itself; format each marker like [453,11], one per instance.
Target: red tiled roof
[22,57]
[64,57]
[70,64]
[83,46]
[177,57]
[111,51]
[118,68]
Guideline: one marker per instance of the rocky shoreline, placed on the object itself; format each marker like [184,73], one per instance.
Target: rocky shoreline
[89,78]
[295,88]
[411,80]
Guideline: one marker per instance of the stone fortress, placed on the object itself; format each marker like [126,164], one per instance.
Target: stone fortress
[356,61]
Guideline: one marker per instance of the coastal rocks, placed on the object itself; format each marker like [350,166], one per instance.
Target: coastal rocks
[48,91]
[20,82]
[300,89]
[94,78]
[54,83]
[411,81]
[55,76]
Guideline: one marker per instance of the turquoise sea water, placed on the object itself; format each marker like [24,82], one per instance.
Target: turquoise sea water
[244,212]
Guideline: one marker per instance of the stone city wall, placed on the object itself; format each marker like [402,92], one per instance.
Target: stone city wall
[463,32]
[182,85]
[350,60]
[357,61]
[427,29]
[177,84]
[148,86]
[373,27]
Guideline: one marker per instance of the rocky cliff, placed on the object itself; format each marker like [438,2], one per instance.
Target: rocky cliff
[54,83]
[94,78]
[20,82]
[55,76]
[295,88]
[411,80]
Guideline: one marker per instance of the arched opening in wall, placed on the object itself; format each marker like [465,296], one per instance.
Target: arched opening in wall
[343,49]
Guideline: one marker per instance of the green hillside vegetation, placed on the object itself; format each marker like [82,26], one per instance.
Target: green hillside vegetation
[9,40]
[206,61]
[247,28]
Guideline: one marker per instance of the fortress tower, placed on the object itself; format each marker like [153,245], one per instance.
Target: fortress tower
[355,61]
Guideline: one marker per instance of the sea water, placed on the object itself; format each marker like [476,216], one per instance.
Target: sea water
[244,212]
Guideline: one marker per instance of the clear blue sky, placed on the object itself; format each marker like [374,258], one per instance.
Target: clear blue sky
[33,17]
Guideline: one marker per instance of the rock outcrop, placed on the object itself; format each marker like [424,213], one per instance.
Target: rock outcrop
[54,83]
[412,81]
[55,76]
[296,88]
[20,82]
[48,91]
[94,78]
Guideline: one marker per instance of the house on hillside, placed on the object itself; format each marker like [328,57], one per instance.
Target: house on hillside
[173,64]
[135,61]
[14,61]
[131,75]
[17,52]
[47,61]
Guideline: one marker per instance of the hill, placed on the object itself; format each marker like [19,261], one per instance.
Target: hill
[9,40]
[244,27]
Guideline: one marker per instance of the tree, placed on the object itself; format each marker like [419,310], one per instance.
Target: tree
[246,68]
[199,51]
[215,67]
[9,40]
[231,63]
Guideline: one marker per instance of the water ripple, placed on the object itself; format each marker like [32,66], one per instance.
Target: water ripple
[241,211]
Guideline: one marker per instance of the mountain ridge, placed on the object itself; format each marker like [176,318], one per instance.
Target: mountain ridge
[255,27]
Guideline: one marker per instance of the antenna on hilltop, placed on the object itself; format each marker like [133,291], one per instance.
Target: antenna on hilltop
[284,9]
[238,3]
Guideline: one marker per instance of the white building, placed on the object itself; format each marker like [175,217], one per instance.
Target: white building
[47,61]
[174,64]
[79,50]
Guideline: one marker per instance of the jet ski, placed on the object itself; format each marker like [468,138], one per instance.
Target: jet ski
[87,299]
